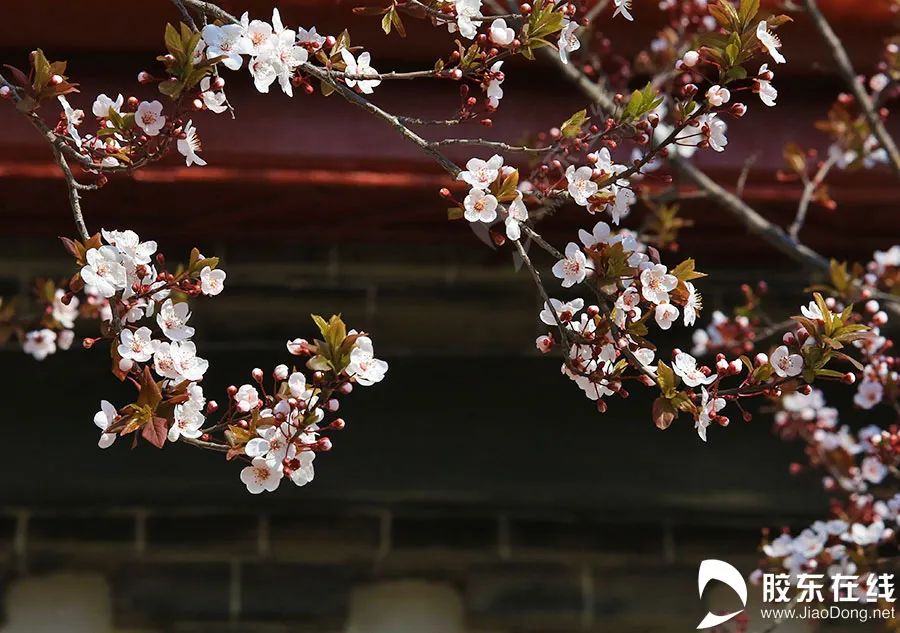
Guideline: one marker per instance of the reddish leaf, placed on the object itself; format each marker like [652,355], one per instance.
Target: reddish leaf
[155,432]
[663,413]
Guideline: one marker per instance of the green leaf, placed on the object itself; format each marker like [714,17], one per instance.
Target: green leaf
[748,11]
[173,41]
[666,379]
[321,323]
[685,271]
[42,71]
[572,126]
[386,22]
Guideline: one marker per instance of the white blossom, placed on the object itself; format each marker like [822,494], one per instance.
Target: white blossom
[64,313]
[480,174]
[480,206]
[172,319]
[468,13]
[359,67]
[246,398]
[565,311]
[685,366]
[868,394]
[40,343]
[623,8]
[581,185]
[500,34]
[103,104]
[568,42]
[262,474]
[363,366]
[73,119]
[657,283]
[310,39]
[137,345]
[303,475]
[494,91]
[763,87]
[190,145]
[104,270]
[179,361]
[873,469]
[103,419]
[228,41]
[573,268]
[708,409]
[212,281]
[718,95]
[786,364]
[769,41]
[693,305]
[149,117]
[665,315]
[516,214]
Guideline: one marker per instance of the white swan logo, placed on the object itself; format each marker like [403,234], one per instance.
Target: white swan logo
[710,570]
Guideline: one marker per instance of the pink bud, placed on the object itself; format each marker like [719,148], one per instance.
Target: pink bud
[691,58]
[257,374]
[281,372]
[544,343]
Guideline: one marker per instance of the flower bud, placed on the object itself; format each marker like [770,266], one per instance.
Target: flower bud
[880,317]
[257,374]
[872,306]
[5,92]
[338,424]
[144,77]
[281,372]
[125,364]
[332,405]
[690,59]
[345,388]
[544,343]
[323,445]
[212,406]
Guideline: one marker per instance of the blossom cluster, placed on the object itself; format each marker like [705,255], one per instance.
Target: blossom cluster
[492,183]
[859,464]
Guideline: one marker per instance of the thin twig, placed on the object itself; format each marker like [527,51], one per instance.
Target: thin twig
[809,188]
[536,276]
[494,145]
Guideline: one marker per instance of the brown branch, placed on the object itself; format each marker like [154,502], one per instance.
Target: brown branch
[845,67]
[58,147]
[536,276]
[809,188]
[494,145]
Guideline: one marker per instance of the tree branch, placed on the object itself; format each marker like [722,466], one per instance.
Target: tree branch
[809,188]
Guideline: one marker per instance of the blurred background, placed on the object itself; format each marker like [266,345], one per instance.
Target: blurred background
[475,490]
